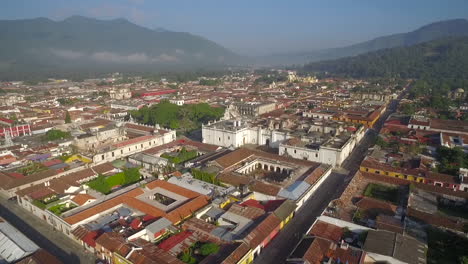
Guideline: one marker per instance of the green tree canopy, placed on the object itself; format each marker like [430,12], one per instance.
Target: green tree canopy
[184,118]
[67,118]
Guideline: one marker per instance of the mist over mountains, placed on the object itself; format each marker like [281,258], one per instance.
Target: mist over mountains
[79,42]
[44,47]
[433,31]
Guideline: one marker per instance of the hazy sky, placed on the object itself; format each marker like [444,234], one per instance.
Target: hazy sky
[254,27]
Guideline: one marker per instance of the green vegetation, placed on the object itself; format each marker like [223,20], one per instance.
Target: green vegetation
[198,251]
[39,204]
[453,210]
[187,257]
[181,157]
[38,34]
[205,176]
[66,101]
[382,192]
[440,65]
[208,249]
[423,60]
[409,109]
[359,216]
[67,118]
[42,204]
[55,134]
[32,168]
[100,184]
[64,157]
[451,160]
[105,184]
[59,209]
[185,118]
[271,77]
[379,141]
[445,247]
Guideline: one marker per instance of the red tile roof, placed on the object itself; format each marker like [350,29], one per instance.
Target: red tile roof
[262,231]
[328,231]
[196,201]
[90,238]
[241,250]
[265,188]
[81,198]
[367,203]
[171,242]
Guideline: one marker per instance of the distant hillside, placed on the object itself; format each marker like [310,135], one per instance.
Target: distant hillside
[442,29]
[437,59]
[43,45]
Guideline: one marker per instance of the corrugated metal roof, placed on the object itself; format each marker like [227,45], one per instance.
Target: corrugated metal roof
[13,244]
[158,225]
[295,190]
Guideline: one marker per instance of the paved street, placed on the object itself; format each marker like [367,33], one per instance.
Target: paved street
[277,251]
[280,248]
[43,235]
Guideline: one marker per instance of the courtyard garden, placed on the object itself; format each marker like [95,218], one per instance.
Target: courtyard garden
[105,184]
[198,251]
[59,209]
[32,168]
[205,176]
[382,192]
[180,157]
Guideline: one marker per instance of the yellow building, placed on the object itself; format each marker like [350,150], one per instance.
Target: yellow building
[386,170]
[285,212]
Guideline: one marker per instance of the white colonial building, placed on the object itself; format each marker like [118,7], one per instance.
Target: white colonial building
[329,143]
[135,145]
[236,133]
[333,151]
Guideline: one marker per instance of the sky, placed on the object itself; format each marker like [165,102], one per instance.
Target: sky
[257,27]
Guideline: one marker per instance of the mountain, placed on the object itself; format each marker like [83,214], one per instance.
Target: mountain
[80,43]
[445,59]
[447,28]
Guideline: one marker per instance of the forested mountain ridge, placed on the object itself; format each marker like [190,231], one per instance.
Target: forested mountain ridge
[439,59]
[433,31]
[76,43]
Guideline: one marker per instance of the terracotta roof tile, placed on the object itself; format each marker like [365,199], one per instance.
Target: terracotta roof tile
[81,199]
[234,179]
[246,211]
[367,203]
[241,250]
[328,231]
[196,201]
[265,188]
[262,231]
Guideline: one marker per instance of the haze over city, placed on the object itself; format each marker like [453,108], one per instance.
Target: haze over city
[233,132]
[257,27]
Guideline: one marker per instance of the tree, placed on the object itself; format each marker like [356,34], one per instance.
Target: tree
[132,175]
[208,249]
[451,160]
[381,142]
[408,109]
[464,260]
[185,118]
[67,118]
[100,184]
[55,134]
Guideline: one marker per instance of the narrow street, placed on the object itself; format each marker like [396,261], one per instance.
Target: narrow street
[43,235]
[279,249]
